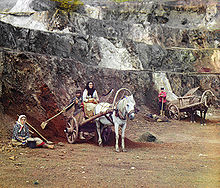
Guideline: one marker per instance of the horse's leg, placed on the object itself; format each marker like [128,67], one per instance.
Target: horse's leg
[123,138]
[194,116]
[192,112]
[201,121]
[98,126]
[191,115]
[205,111]
[116,137]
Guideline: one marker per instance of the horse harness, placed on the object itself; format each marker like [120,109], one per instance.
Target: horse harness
[118,114]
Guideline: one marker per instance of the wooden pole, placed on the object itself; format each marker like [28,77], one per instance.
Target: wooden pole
[95,116]
[49,142]
[161,112]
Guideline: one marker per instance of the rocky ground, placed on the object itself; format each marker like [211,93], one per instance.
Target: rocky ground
[185,155]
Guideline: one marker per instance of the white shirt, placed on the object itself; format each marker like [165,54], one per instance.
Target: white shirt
[86,97]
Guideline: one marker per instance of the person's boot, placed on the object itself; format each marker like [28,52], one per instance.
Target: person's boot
[81,136]
[49,146]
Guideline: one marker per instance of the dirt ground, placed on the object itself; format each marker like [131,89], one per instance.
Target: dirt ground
[185,155]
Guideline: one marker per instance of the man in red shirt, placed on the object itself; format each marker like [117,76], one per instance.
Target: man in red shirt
[162,101]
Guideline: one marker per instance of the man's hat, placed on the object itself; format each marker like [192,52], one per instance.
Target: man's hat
[78,91]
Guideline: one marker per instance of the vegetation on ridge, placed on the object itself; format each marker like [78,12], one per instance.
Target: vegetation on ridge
[69,5]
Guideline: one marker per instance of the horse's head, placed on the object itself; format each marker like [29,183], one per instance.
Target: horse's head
[127,106]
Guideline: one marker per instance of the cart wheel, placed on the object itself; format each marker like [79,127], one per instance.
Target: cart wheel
[72,130]
[174,112]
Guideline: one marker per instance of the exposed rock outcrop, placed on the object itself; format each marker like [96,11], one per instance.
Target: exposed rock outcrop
[94,50]
[128,33]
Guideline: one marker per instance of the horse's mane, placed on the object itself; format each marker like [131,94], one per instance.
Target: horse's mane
[121,104]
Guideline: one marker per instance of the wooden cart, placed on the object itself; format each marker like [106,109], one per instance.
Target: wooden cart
[180,107]
[78,124]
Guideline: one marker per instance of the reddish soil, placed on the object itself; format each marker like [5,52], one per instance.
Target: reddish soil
[185,155]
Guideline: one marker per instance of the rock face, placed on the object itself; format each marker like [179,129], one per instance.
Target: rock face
[132,35]
[7,4]
[46,55]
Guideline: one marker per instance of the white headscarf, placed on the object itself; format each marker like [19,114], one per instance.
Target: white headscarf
[20,117]
[19,121]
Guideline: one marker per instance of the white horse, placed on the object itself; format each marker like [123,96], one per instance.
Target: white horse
[124,109]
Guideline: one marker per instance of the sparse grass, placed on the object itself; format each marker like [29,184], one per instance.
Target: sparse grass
[121,1]
[69,5]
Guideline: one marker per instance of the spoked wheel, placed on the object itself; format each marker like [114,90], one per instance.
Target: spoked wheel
[174,112]
[71,130]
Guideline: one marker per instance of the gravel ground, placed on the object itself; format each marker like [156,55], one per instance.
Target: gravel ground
[185,155]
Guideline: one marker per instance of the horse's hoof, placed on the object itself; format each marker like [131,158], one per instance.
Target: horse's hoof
[100,144]
[124,150]
[117,150]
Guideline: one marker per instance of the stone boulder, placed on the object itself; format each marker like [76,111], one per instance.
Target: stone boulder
[147,137]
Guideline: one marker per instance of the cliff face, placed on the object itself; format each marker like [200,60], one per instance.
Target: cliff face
[124,35]
[47,53]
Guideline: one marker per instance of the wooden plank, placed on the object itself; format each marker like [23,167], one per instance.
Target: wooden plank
[95,116]
[191,91]
[186,97]
[190,105]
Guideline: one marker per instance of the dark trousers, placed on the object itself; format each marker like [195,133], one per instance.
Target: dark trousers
[160,106]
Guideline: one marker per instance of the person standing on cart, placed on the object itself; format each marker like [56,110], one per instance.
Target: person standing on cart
[90,99]
[77,101]
[162,101]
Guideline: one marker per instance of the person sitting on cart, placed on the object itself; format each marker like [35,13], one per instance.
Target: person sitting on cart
[90,99]
[162,101]
[21,135]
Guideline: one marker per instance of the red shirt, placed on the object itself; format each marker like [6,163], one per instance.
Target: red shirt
[163,95]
